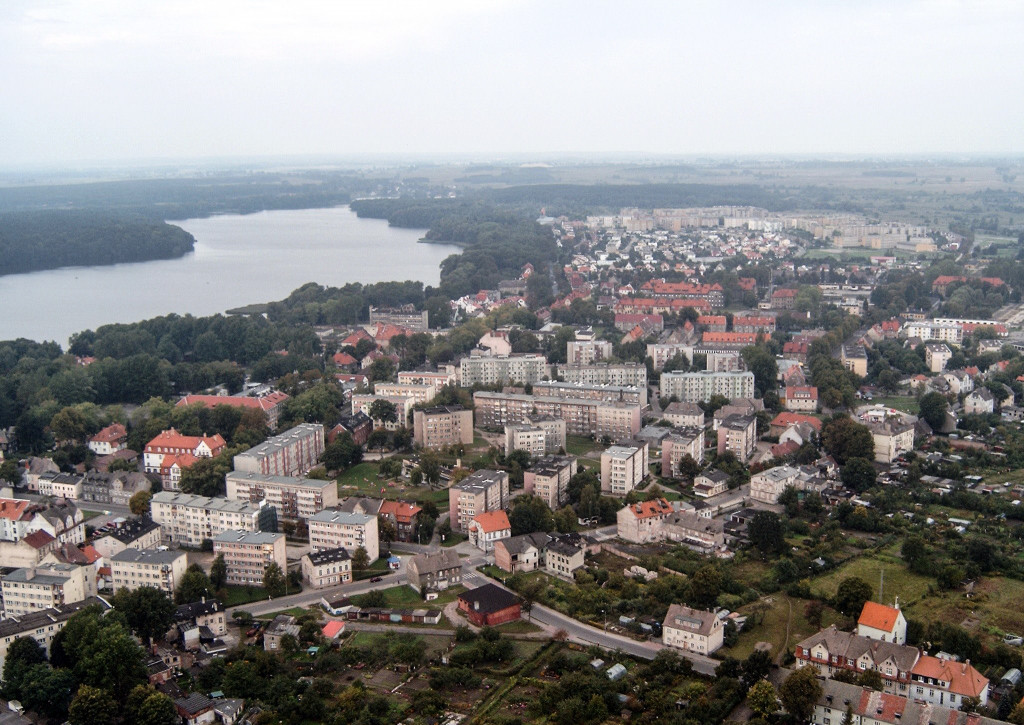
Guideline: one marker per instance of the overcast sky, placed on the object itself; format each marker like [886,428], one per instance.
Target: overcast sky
[87,80]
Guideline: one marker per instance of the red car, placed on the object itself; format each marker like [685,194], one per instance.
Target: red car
[377,579]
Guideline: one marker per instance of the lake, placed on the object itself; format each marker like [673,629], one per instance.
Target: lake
[238,260]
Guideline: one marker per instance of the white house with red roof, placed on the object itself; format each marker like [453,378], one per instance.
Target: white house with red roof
[171,452]
[802,398]
[111,439]
[487,528]
[886,624]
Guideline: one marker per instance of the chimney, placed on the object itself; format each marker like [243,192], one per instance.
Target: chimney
[30,574]
[476,605]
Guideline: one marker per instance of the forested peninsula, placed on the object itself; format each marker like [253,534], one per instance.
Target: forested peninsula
[37,240]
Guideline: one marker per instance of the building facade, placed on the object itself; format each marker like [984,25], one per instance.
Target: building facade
[481,491]
[445,425]
[158,568]
[692,630]
[190,520]
[334,528]
[623,467]
[548,479]
[248,553]
[291,453]
[698,387]
[294,498]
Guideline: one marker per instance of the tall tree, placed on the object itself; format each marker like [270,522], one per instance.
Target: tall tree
[845,439]
[767,533]
[139,503]
[933,409]
[218,572]
[194,586]
[800,692]
[851,594]
[92,705]
[147,610]
[763,699]
[273,580]
[360,559]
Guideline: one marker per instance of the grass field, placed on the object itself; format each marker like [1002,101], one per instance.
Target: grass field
[245,595]
[86,514]
[905,403]
[578,446]
[405,597]
[899,581]
[362,480]
[518,627]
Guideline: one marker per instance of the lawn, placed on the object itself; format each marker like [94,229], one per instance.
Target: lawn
[995,607]
[578,446]
[905,403]
[520,626]
[362,480]
[87,514]
[245,595]
[453,539]
[405,597]
[899,581]
[782,614]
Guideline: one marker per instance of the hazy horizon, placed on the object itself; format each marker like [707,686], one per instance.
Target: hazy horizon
[116,82]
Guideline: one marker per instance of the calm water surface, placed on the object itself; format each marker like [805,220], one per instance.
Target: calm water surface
[238,260]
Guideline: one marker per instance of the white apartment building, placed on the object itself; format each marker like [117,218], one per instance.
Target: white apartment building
[586,352]
[294,498]
[627,374]
[548,479]
[678,445]
[623,467]
[158,568]
[525,437]
[191,520]
[418,393]
[692,630]
[892,439]
[334,528]
[437,380]
[44,586]
[768,485]
[936,356]
[698,387]
[327,568]
[934,330]
[291,453]
[247,554]
[501,369]
[42,625]
[481,491]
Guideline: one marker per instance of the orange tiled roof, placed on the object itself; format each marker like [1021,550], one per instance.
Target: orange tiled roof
[654,507]
[491,521]
[402,511]
[963,679]
[878,616]
[113,432]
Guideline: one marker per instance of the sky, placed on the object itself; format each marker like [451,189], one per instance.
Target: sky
[118,80]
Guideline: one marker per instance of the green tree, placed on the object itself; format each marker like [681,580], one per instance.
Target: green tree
[22,654]
[530,514]
[844,439]
[383,411]
[858,474]
[705,586]
[139,503]
[218,572]
[273,580]
[342,453]
[360,559]
[10,472]
[767,533]
[800,692]
[851,595]
[194,586]
[47,691]
[762,699]
[92,705]
[762,363]
[933,409]
[147,610]
[870,679]
[373,599]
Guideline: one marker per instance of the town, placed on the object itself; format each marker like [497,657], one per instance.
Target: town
[690,465]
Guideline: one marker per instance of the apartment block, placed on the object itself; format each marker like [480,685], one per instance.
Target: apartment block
[294,498]
[684,415]
[628,374]
[292,453]
[698,387]
[334,528]
[441,426]
[420,394]
[936,356]
[481,491]
[503,369]
[677,446]
[548,479]
[44,586]
[42,625]
[892,439]
[586,352]
[327,568]
[738,433]
[591,391]
[158,568]
[854,359]
[190,520]
[581,417]
[525,437]
[623,467]
[247,554]
[438,380]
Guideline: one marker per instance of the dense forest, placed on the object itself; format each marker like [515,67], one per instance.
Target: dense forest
[34,240]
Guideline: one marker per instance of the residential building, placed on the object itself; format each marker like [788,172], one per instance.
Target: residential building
[582,417]
[602,373]
[28,551]
[361,403]
[692,630]
[446,425]
[62,520]
[548,479]
[419,394]
[204,613]
[855,359]
[679,444]
[587,352]
[111,439]
[521,553]
[753,324]
[435,571]
[438,380]
[405,316]
[333,528]
[802,398]
[738,433]
[768,485]
[294,498]
[885,624]
[402,516]
[623,467]
[936,356]
[280,626]
[190,520]
[564,554]
[684,415]
[503,369]
[591,391]
[481,491]
[248,553]
[291,453]
[783,421]
[358,425]
[487,528]
[979,402]
[490,605]
[698,387]
[15,518]
[42,625]
[905,670]
[661,352]
[327,568]
[43,587]
[640,523]
[61,485]
[113,488]
[893,438]
[158,568]
[269,404]
[711,483]
[526,437]
[870,707]
[139,532]
[931,330]
[170,452]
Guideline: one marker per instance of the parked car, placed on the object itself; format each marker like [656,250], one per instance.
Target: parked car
[1014,640]
[377,579]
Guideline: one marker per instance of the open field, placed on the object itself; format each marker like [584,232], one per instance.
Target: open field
[362,480]
[405,597]
[899,582]
[905,403]
[782,615]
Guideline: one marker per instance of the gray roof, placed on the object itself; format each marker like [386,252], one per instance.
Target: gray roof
[337,516]
[48,574]
[519,544]
[189,500]
[696,620]
[280,480]
[248,537]
[14,626]
[329,556]
[480,480]
[437,561]
[148,556]
[361,505]
[852,646]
